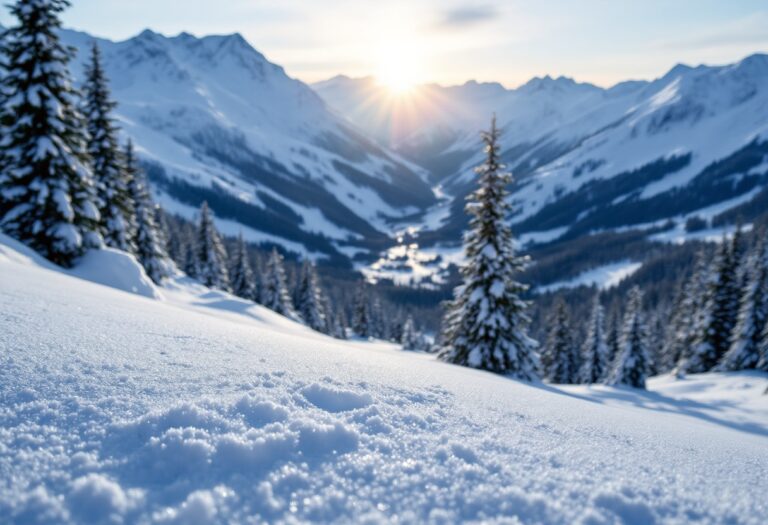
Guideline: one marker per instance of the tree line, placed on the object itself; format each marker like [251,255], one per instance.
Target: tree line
[67,185]
[289,287]
[716,320]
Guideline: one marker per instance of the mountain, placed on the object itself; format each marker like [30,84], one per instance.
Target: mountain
[648,157]
[214,120]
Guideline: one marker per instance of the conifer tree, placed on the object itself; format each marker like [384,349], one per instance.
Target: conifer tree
[210,257]
[744,352]
[715,320]
[337,324]
[310,301]
[560,354]
[614,342]
[116,207]
[361,318]
[690,315]
[190,259]
[148,243]
[595,351]
[632,362]
[681,329]
[410,339]
[242,278]
[276,296]
[47,194]
[485,326]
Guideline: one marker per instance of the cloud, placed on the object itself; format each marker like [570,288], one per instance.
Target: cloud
[461,17]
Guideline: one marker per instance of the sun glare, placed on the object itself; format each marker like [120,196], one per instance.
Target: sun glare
[398,69]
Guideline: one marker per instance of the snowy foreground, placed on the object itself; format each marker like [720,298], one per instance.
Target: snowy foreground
[194,407]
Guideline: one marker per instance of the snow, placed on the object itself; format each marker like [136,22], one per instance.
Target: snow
[604,277]
[115,269]
[181,97]
[118,408]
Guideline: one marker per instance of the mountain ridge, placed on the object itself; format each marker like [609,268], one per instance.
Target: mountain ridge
[214,120]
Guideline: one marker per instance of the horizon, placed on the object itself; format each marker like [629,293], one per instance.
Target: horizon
[426,42]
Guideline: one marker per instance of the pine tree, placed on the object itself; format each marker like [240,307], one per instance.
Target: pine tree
[47,197]
[560,355]
[690,315]
[744,352]
[337,324]
[681,329]
[242,277]
[485,326]
[378,324]
[632,362]
[148,242]
[614,342]
[210,260]
[361,319]
[276,296]
[116,207]
[715,320]
[410,339]
[595,351]
[310,301]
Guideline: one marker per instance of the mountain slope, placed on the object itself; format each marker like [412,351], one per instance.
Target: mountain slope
[116,408]
[644,155]
[214,120]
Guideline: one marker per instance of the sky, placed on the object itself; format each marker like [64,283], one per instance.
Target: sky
[452,41]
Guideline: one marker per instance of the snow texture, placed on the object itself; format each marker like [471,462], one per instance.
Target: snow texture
[116,408]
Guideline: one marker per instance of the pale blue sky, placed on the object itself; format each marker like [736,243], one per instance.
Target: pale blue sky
[447,41]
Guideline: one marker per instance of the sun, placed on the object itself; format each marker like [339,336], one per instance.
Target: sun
[398,69]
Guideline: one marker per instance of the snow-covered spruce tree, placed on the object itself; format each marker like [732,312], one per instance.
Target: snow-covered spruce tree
[148,242]
[210,260]
[613,340]
[361,315]
[595,351]
[689,315]
[339,326]
[485,326]
[161,224]
[242,280]
[715,320]
[310,301]
[47,197]
[116,207]
[739,251]
[337,323]
[744,352]
[276,296]
[410,339]
[681,328]
[632,362]
[560,354]
[376,320]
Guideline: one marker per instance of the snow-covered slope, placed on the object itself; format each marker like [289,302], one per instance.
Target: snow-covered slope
[638,155]
[215,120]
[117,408]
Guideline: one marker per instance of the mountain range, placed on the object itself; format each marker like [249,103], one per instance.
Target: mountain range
[214,120]
[339,170]
[668,159]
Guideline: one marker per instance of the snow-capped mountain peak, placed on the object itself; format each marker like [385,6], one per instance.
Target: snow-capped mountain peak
[217,121]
